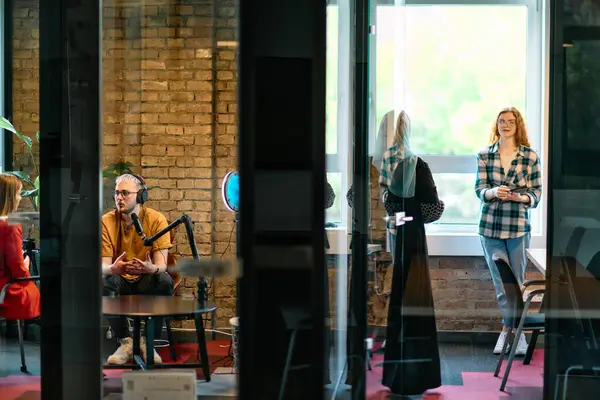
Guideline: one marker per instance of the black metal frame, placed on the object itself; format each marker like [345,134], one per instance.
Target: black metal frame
[270,116]
[360,226]
[70,165]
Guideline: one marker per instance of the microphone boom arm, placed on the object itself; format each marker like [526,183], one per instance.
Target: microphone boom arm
[189,229]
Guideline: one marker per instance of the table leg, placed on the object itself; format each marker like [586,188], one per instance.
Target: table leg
[137,328]
[203,353]
[150,342]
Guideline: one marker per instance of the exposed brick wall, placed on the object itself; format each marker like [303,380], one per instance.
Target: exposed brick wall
[161,94]
[25,68]
[167,108]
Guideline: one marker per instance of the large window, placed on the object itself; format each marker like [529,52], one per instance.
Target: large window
[338,116]
[451,65]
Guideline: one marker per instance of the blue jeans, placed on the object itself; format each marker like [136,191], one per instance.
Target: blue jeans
[513,252]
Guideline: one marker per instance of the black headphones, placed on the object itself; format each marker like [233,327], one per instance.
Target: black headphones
[142,194]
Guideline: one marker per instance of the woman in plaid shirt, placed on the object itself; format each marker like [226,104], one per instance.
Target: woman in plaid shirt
[509,183]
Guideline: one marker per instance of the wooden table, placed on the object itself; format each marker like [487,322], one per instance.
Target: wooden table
[148,308]
[538,259]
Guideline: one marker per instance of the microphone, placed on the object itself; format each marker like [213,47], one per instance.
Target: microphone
[138,227]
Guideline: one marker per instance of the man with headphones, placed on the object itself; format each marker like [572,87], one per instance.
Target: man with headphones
[129,267]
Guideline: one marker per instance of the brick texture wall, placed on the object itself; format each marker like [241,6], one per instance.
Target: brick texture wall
[169,108]
[25,69]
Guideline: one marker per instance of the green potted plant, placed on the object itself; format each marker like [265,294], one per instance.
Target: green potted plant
[31,188]
[116,169]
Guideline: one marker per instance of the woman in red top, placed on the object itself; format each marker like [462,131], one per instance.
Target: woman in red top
[22,300]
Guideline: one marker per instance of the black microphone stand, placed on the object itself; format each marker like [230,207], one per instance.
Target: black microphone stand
[201,294]
[237,292]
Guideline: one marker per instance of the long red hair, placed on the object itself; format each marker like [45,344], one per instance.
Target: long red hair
[10,185]
[521,138]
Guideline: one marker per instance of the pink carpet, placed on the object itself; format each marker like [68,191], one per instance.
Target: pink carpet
[525,382]
[27,387]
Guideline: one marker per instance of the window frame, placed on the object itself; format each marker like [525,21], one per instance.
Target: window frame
[440,242]
[341,162]
[446,243]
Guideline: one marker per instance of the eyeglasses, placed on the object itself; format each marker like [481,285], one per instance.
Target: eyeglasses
[509,122]
[124,193]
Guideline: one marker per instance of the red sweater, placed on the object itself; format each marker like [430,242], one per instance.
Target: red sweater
[22,300]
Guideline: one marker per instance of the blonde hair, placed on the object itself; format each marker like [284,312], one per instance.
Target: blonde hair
[402,130]
[521,138]
[129,178]
[10,185]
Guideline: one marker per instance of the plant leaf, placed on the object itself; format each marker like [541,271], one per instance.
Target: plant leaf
[109,172]
[5,124]
[37,136]
[29,193]
[116,169]
[26,139]
[24,177]
[36,185]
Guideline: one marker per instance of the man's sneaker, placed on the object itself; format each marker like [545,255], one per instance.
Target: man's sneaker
[124,353]
[500,343]
[522,346]
[157,359]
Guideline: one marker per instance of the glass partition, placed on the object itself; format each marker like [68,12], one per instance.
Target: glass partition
[170,117]
[573,249]
[20,331]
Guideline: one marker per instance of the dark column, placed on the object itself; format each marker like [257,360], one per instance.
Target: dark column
[572,354]
[282,176]
[357,329]
[70,199]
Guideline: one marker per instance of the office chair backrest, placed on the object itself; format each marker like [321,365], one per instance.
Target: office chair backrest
[514,297]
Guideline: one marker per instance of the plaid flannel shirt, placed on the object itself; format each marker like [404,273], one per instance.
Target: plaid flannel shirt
[507,219]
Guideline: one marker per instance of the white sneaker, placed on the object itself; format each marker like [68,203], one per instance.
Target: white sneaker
[522,346]
[124,353]
[500,343]
[157,359]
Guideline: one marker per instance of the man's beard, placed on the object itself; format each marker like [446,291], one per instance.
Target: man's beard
[127,210]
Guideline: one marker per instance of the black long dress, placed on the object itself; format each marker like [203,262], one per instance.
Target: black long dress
[412,361]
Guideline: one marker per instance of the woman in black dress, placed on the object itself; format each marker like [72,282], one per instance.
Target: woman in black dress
[412,361]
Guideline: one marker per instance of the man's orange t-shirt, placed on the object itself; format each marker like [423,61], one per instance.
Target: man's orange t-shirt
[117,237]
